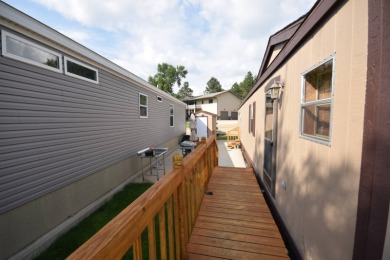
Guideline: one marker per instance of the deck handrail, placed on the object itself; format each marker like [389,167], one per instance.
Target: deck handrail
[172,202]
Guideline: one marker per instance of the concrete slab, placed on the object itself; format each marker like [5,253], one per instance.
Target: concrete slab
[230,157]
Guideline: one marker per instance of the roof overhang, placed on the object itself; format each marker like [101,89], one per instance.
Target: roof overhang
[317,15]
[282,36]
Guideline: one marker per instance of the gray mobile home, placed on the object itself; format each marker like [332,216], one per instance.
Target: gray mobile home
[71,123]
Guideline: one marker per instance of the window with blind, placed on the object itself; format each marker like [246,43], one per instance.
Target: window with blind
[143,106]
[269,117]
[316,102]
[250,119]
[171,115]
[252,111]
[253,119]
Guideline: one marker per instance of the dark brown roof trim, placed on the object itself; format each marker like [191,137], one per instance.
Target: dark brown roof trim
[315,18]
[281,36]
[374,187]
[292,24]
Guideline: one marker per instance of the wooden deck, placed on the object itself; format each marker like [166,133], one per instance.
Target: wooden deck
[235,222]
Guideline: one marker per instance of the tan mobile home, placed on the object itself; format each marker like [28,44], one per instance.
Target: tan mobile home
[320,147]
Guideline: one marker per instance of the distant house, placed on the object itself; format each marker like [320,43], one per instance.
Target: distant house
[321,147]
[71,123]
[224,104]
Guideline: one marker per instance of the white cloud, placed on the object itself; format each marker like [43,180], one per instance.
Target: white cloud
[220,38]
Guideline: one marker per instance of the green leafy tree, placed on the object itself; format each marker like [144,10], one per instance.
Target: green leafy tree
[181,73]
[236,89]
[248,83]
[184,92]
[242,89]
[167,75]
[213,86]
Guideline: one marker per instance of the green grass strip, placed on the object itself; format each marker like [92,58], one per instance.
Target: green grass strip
[75,237]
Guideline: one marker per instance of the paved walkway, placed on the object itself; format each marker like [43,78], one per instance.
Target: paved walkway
[229,157]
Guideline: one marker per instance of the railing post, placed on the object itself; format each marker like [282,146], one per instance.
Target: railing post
[178,164]
[215,155]
[206,166]
[204,169]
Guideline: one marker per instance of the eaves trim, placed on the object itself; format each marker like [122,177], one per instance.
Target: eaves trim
[313,19]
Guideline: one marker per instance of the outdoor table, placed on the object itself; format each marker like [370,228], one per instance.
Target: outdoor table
[156,161]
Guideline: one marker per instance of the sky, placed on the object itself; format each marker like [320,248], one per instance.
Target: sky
[211,38]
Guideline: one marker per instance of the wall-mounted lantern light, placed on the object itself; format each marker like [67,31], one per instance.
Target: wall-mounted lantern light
[275,89]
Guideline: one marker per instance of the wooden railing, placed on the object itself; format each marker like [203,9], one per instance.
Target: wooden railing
[161,220]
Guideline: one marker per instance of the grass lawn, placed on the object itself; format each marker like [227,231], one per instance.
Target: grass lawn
[76,236]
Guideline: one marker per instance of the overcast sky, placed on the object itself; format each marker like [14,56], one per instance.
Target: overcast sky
[211,38]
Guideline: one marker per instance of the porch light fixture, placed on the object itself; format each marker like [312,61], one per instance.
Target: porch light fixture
[275,89]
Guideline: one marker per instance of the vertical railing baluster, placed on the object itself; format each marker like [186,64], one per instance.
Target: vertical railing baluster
[182,206]
[152,240]
[137,249]
[163,235]
[177,223]
[193,198]
[171,245]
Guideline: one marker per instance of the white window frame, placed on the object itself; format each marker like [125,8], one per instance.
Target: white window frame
[250,118]
[5,52]
[325,101]
[66,58]
[140,105]
[172,115]
[253,121]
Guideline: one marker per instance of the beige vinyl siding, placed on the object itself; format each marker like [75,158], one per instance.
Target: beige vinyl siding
[320,202]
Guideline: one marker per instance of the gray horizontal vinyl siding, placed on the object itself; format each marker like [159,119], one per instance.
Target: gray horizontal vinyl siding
[55,129]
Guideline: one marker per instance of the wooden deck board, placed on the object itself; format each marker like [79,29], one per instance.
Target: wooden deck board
[239,223]
[215,200]
[237,245]
[223,205]
[235,222]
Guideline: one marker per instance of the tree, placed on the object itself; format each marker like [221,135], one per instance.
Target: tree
[167,75]
[181,72]
[236,89]
[213,86]
[185,91]
[242,89]
[248,83]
